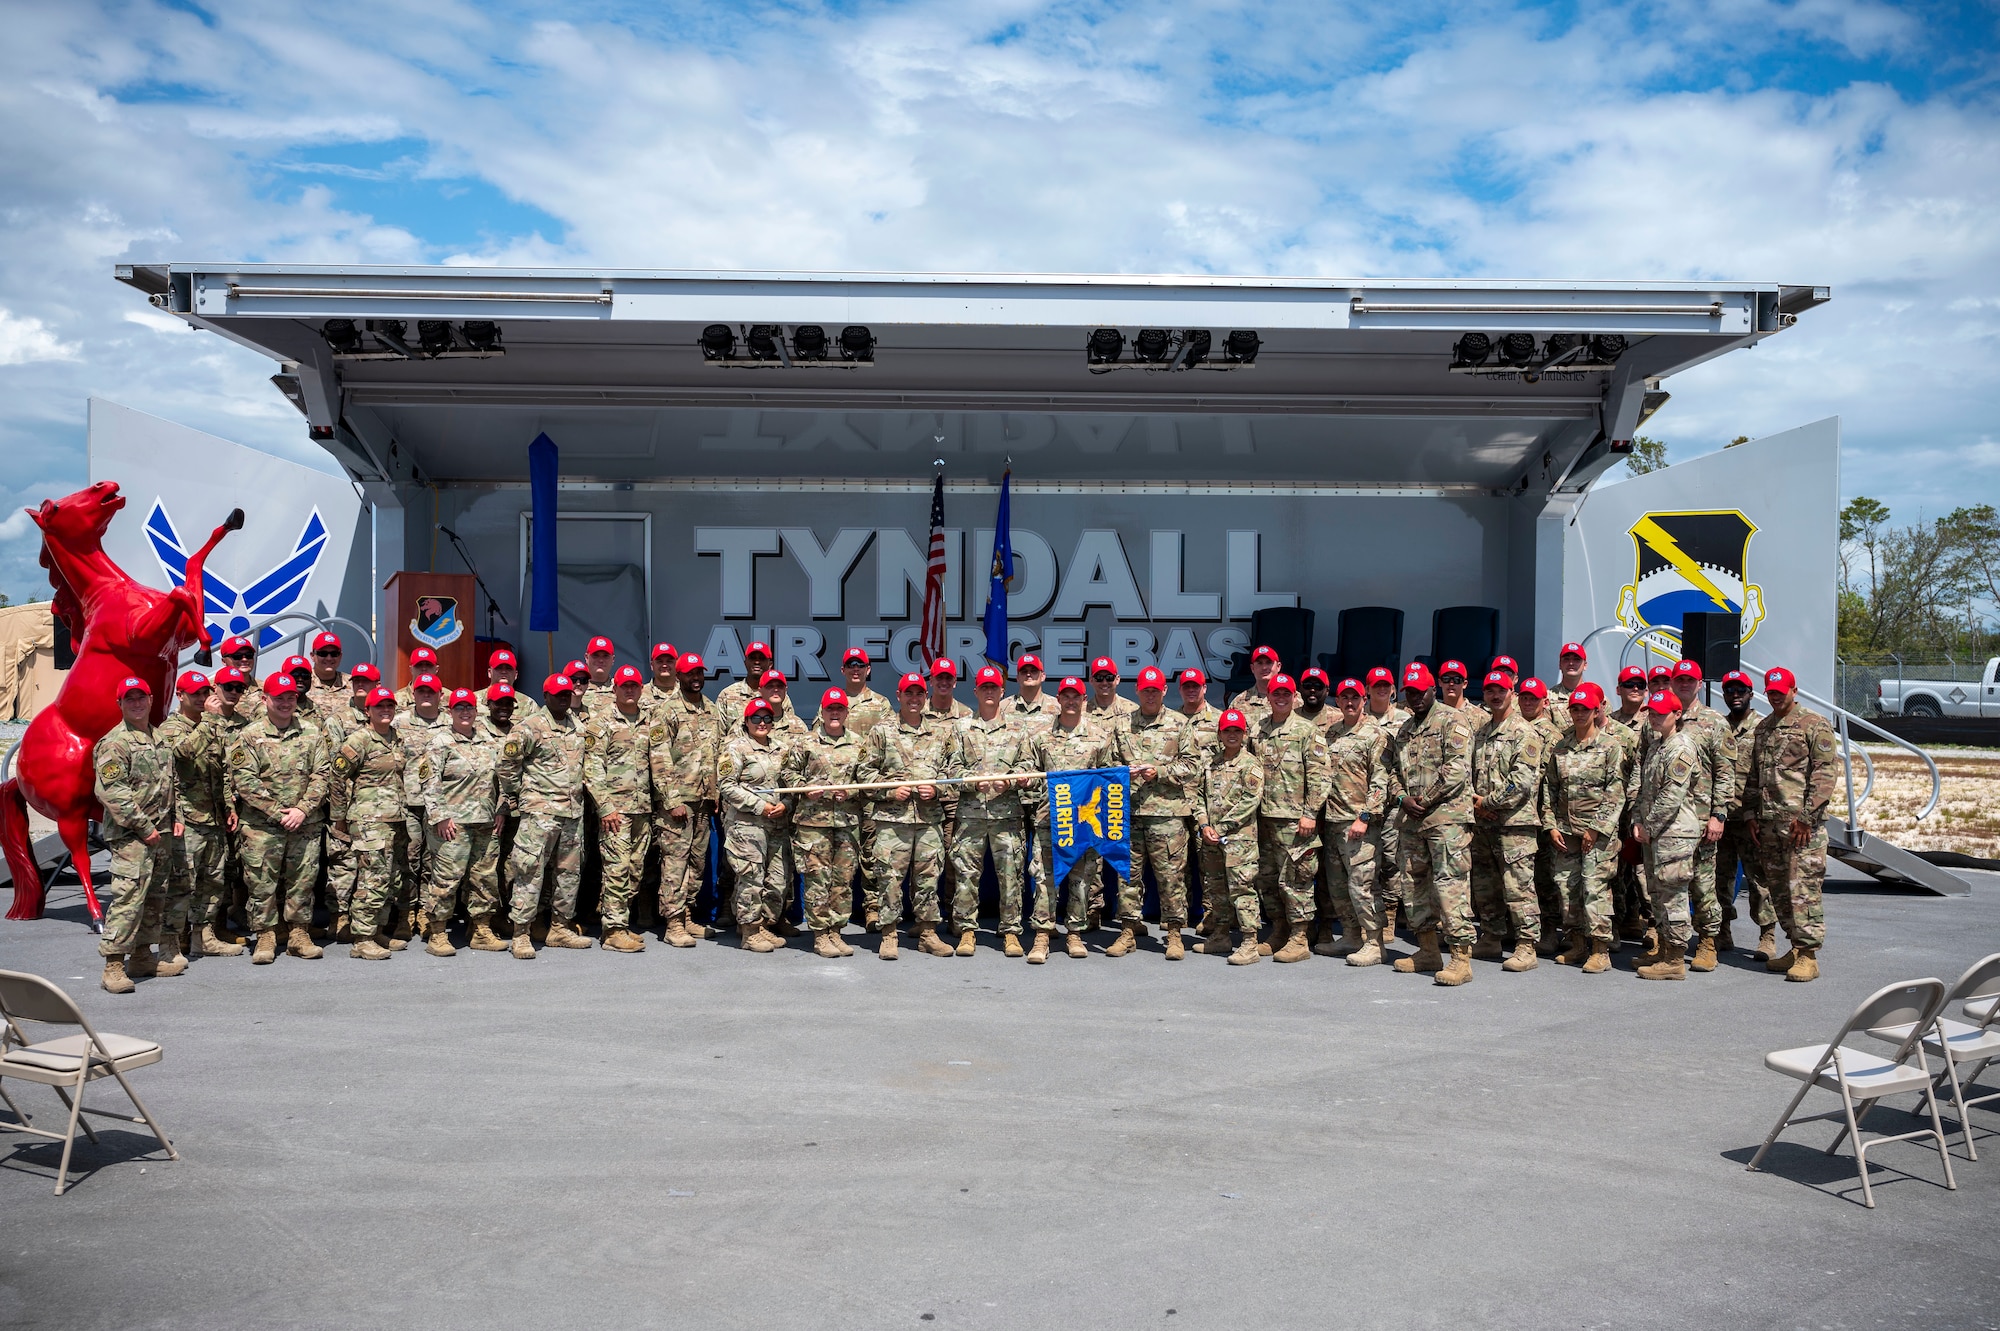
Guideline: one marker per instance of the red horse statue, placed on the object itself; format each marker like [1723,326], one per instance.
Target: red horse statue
[120,628]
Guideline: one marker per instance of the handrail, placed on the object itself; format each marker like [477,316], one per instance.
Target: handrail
[324,623]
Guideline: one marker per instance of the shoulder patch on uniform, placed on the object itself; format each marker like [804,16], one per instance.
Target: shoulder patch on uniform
[111,770]
[512,748]
[341,762]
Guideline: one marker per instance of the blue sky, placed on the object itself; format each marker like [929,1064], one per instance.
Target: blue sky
[1851,144]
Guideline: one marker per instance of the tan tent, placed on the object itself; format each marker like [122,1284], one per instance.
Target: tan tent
[28,675]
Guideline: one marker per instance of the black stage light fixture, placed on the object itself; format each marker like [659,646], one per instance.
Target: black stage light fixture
[717,342]
[1194,347]
[480,334]
[434,335]
[1240,347]
[1471,349]
[1561,344]
[1517,348]
[1105,346]
[341,335]
[1152,345]
[1607,347]
[809,342]
[857,343]
[762,340]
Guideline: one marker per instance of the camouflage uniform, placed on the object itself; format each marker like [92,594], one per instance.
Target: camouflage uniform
[1255,704]
[1160,809]
[461,776]
[1671,807]
[417,735]
[1295,781]
[1793,764]
[987,823]
[685,743]
[909,834]
[1113,712]
[1507,760]
[1020,712]
[1548,894]
[541,779]
[1228,794]
[617,774]
[1584,791]
[1715,797]
[1389,884]
[135,784]
[596,700]
[1432,762]
[733,699]
[1357,787]
[754,842]
[825,828]
[195,860]
[1058,750]
[1737,849]
[365,792]
[865,711]
[1628,896]
[271,770]
[655,701]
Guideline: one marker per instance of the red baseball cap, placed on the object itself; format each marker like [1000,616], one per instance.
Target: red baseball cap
[1380,675]
[1534,688]
[132,684]
[495,692]
[1780,680]
[990,675]
[230,675]
[191,681]
[1506,663]
[1348,685]
[236,647]
[690,663]
[853,654]
[1686,669]
[366,670]
[756,705]
[661,649]
[627,674]
[762,649]
[423,656]
[324,640]
[558,684]
[1631,675]
[379,695]
[1588,696]
[1282,681]
[576,668]
[463,698]
[833,698]
[1499,677]
[294,664]
[1028,661]
[1070,684]
[427,681]
[1194,677]
[1152,677]
[501,656]
[1103,663]
[1232,720]
[1660,672]
[599,644]
[1314,672]
[1572,649]
[772,679]
[1417,675]
[278,683]
[910,681]
[1738,677]
[1663,702]
[1264,654]
[944,665]
[1454,668]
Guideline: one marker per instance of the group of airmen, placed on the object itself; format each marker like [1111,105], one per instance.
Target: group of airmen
[1528,822]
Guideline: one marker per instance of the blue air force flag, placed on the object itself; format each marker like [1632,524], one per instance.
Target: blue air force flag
[1088,811]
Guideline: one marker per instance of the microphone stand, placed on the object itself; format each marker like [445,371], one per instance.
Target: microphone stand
[465,557]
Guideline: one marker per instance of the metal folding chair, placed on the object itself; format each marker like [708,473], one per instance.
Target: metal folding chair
[66,1064]
[1861,1078]
[1975,1043]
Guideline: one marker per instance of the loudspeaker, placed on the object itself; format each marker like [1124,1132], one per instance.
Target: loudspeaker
[1709,639]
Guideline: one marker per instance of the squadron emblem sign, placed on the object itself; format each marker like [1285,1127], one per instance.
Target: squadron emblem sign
[1689,562]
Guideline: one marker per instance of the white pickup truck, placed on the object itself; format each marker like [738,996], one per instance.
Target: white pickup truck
[1942,697]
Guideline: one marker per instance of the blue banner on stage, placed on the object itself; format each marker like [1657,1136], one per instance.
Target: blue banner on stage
[1089,810]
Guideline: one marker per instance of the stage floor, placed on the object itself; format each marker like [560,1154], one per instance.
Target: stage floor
[715,1138]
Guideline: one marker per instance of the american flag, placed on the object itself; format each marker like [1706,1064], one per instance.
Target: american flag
[931,632]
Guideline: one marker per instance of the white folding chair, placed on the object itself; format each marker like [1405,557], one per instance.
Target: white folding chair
[66,1064]
[1861,1078]
[1964,1043]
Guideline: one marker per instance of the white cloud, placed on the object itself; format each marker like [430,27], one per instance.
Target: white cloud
[24,338]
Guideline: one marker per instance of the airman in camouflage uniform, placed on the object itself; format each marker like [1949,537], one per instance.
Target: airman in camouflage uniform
[1506,779]
[1255,701]
[1583,801]
[1357,792]
[461,776]
[135,784]
[826,826]
[1229,795]
[1163,763]
[1534,702]
[1715,791]
[755,829]
[1431,755]
[541,779]
[365,797]
[1201,716]
[1390,888]
[596,696]
[686,737]
[989,816]
[866,709]
[618,774]
[277,773]
[912,748]
[1737,849]
[1794,761]
[1667,820]
[1070,744]
[194,734]
[736,696]
[418,726]
[1288,839]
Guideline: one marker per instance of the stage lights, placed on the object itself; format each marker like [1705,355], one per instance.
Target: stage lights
[1607,347]
[1194,347]
[434,335]
[1561,346]
[480,334]
[809,342]
[1517,349]
[717,342]
[1471,349]
[857,343]
[387,339]
[1168,351]
[767,347]
[1240,347]
[762,341]
[1506,353]
[1152,345]
[342,336]
[1105,346]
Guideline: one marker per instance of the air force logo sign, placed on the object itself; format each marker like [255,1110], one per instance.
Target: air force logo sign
[1690,562]
[228,610]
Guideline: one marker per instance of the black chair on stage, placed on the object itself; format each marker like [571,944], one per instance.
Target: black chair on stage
[1370,636]
[1468,633]
[1289,629]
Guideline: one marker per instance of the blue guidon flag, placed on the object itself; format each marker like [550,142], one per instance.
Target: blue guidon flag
[1090,810]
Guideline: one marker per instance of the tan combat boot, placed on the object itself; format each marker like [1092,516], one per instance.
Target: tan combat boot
[1524,958]
[1767,941]
[1011,945]
[1176,945]
[1488,948]
[1577,952]
[871,922]
[483,938]
[368,949]
[1249,954]
[1426,960]
[1704,956]
[824,946]
[141,964]
[1599,960]
[116,981]
[1653,949]
[674,933]
[230,936]
[267,948]
[341,931]
[886,949]
[1388,924]
[1370,951]
[1460,970]
[212,944]
[300,944]
[1280,931]
[1672,964]
[1039,953]
[171,960]
[563,933]
[782,927]
[701,933]
[1806,967]
[1073,944]
[1126,941]
[523,945]
[422,927]
[1214,941]
[438,943]
[622,939]
[391,942]
[1783,962]
[840,941]
[968,941]
[1296,947]
[929,943]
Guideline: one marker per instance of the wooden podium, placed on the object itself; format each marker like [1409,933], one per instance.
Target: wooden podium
[441,605]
